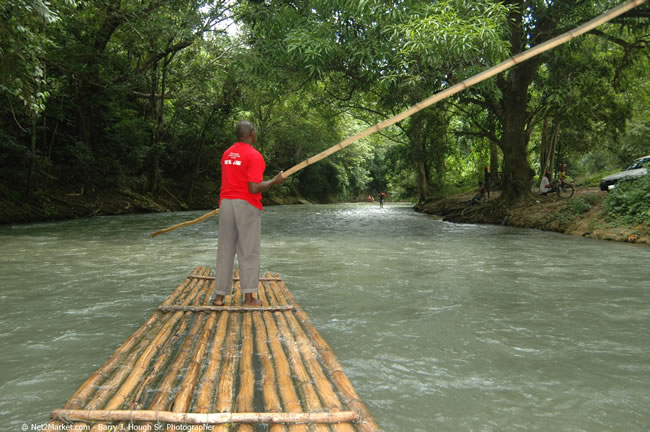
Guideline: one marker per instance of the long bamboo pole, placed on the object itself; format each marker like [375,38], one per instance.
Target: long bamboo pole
[107,377]
[457,88]
[306,388]
[341,381]
[246,372]
[227,308]
[323,385]
[287,391]
[269,392]
[224,400]
[184,224]
[199,418]
[92,383]
[140,367]
[125,391]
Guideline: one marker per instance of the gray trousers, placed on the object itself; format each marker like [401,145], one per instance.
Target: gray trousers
[240,226]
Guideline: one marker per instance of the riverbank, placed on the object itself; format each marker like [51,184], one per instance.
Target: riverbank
[582,215]
[54,203]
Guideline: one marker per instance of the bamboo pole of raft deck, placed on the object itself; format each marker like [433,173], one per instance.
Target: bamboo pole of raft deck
[227,308]
[199,419]
[90,385]
[162,398]
[224,402]
[110,373]
[161,362]
[325,389]
[246,372]
[343,384]
[145,359]
[184,395]
[305,387]
[152,375]
[269,393]
[457,88]
[234,278]
[206,385]
[140,366]
[283,374]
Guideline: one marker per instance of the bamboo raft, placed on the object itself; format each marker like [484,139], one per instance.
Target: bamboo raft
[194,366]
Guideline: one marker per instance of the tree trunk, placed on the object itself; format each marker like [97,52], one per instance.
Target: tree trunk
[547,152]
[517,174]
[29,186]
[420,157]
[494,165]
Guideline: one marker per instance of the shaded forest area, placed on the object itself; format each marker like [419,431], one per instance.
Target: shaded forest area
[125,106]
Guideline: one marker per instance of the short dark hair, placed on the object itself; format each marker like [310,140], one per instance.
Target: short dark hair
[244,129]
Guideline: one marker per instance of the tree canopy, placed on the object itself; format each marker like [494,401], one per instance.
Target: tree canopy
[145,94]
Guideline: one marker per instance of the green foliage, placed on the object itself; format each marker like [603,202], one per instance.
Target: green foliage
[114,93]
[575,207]
[22,45]
[629,203]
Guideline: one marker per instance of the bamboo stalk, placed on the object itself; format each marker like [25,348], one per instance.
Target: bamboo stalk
[206,385]
[269,392]
[178,293]
[166,387]
[92,383]
[224,401]
[137,371]
[288,393]
[184,224]
[136,401]
[246,372]
[226,308]
[234,278]
[200,418]
[116,368]
[323,385]
[495,70]
[184,395]
[145,359]
[307,390]
[335,370]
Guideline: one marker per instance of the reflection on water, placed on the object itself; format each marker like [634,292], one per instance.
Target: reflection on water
[439,326]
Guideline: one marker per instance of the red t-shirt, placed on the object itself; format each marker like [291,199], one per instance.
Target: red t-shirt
[241,164]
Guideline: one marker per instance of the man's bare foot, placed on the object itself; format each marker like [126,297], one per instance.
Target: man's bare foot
[218,300]
[249,300]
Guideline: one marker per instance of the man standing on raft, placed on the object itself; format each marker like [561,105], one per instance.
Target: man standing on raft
[240,204]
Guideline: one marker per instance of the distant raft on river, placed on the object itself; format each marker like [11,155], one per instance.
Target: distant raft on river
[194,366]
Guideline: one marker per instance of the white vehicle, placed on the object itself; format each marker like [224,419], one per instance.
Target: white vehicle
[638,169]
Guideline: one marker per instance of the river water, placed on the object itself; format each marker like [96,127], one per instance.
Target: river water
[440,327]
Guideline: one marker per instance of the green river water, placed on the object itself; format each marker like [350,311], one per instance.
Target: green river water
[440,327]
